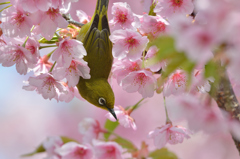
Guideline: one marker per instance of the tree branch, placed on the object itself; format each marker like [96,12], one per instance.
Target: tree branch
[71,21]
[226,99]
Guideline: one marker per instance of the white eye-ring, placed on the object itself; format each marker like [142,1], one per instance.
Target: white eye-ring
[102,101]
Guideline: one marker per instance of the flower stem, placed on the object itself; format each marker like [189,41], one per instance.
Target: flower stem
[59,37]
[52,67]
[130,109]
[5,3]
[42,47]
[5,8]
[168,121]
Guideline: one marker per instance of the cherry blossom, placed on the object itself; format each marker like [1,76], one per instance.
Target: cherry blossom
[122,16]
[121,68]
[73,72]
[199,48]
[142,81]
[33,46]
[123,116]
[107,150]
[16,22]
[128,43]
[35,5]
[69,93]
[175,84]
[42,66]
[153,25]
[169,134]
[151,62]
[83,17]
[90,129]
[49,21]
[14,54]
[46,85]
[72,150]
[199,83]
[169,8]
[68,50]
[51,144]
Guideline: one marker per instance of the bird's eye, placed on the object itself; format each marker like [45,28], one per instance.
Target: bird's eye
[102,101]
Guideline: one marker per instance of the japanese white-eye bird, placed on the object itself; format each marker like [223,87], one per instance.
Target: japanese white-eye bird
[95,38]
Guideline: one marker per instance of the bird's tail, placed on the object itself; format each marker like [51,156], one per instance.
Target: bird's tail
[100,19]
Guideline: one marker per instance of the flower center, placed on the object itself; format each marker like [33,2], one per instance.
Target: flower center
[134,67]
[53,13]
[141,78]
[177,3]
[178,79]
[121,17]
[79,151]
[131,42]
[18,18]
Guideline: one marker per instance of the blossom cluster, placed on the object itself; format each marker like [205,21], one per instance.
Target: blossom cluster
[203,31]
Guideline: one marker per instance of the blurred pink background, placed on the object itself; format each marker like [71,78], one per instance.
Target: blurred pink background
[26,119]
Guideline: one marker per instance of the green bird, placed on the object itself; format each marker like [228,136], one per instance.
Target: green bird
[95,38]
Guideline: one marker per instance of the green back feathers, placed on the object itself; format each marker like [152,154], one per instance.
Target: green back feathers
[95,38]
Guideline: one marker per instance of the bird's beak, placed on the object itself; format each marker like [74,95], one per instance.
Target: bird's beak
[112,112]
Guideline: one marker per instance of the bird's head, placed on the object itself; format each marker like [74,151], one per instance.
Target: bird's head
[99,93]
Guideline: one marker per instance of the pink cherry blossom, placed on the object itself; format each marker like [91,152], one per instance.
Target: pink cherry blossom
[199,48]
[68,50]
[33,46]
[42,66]
[199,83]
[123,116]
[63,5]
[150,57]
[51,144]
[128,43]
[16,22]
[169,134]
[169,8]
[122,16]
[72,150]
[107,150]
[175,84]
[153,25]
[90,129]
[35,5]
[14,54]
[49,22]
[83,17]
[46,85]
[187,107]
[142,81]
[73,72]
[69,93]
[121,68]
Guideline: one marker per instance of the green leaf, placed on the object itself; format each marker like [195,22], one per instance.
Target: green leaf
[151,12]
[162,154]
[67,139]
[125,144]
[110,126]
[212,70]
[41,149]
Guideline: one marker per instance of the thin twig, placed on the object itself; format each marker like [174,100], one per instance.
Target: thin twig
[71,21]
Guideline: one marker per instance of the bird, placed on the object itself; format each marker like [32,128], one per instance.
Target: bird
[95,38]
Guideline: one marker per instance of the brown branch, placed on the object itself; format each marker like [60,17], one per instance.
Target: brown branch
[226,99]
[71,21]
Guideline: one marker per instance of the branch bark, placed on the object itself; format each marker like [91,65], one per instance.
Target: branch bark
[226,99]
[71,21]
